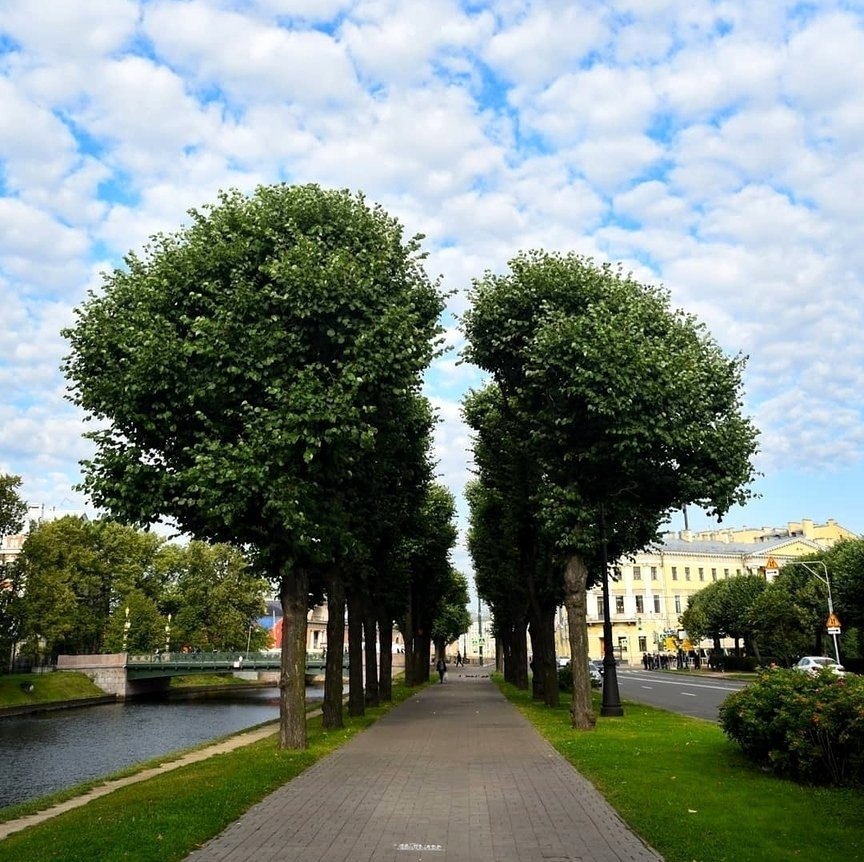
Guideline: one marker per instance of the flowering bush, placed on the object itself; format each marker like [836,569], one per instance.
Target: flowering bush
[809,727]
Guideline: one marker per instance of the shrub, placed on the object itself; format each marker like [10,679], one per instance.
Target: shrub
[565,679]
[809,727]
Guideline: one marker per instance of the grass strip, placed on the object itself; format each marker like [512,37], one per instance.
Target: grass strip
[689,792]
[47,687]
[165,818]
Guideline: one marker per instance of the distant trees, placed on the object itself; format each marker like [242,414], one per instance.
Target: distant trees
[613,410]
[76,578]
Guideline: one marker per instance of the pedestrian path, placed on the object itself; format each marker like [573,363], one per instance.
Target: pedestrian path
[453,774]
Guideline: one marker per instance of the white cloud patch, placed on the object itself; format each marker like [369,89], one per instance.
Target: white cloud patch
[714,147]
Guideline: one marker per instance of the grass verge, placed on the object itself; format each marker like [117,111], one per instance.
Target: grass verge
[165,818]
[690,793]
[47,687]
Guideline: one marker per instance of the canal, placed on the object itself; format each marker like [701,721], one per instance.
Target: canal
[50,751]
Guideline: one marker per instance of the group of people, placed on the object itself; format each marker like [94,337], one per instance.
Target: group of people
[665,661]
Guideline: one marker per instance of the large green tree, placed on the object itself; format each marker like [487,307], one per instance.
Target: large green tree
[235,370]
[630,409]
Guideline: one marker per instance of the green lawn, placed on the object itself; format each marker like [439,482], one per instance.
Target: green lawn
[691,795]
[47,687]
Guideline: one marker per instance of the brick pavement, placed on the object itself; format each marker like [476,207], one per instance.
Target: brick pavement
[454,774]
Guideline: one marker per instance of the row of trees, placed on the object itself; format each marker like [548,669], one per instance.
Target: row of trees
[785,619]
[256,378]
[605,410]
[71,585]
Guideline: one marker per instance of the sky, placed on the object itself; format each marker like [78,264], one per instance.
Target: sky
[716,148]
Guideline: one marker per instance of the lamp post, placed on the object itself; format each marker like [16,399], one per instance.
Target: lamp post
[168,636]
[126,626]
[824,578]
[611,703]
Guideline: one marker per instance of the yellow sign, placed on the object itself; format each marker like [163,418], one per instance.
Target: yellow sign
[833,621]
[772,563]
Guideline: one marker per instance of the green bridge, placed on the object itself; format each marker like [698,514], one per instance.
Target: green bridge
[130,675]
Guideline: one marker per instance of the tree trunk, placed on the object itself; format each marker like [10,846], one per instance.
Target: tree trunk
[294,595]
[385,635]
[545,679]
[370,633]
[331,710]
[519,655]
[575,601]
[356,704]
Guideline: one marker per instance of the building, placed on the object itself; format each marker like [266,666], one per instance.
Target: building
[649,592]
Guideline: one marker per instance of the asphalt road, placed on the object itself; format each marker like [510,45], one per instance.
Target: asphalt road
[698,696]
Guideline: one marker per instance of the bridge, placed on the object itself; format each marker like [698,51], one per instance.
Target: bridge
[129,675]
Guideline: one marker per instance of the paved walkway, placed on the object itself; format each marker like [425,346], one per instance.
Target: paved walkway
[454,774]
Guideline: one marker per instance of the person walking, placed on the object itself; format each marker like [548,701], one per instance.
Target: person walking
[441,667]
[458,659]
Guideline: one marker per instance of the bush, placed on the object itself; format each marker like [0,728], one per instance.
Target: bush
[808,727]
[565,679]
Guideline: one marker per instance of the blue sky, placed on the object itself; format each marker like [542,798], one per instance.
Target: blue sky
[713,147]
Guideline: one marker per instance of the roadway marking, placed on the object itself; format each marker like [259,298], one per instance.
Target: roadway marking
[688,694]
[691,684]
[649,687]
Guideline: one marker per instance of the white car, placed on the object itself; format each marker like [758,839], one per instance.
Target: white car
[815,663]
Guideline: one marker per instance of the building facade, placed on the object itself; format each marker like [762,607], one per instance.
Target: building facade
[649,592]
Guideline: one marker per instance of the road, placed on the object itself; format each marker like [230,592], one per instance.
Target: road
[698,696]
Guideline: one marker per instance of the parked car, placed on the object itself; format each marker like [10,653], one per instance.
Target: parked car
[815,663]
[594,674]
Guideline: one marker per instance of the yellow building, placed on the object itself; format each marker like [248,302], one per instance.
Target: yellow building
[649,592]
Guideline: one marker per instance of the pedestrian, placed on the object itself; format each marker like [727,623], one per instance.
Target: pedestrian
[458,659]
[441,667]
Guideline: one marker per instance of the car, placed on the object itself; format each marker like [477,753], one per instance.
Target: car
[597,664]
[594,674]
[815,663]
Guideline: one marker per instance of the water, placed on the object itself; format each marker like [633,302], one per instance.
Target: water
[50,751]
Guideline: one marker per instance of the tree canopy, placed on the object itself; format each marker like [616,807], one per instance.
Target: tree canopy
[627,406]
[239,374]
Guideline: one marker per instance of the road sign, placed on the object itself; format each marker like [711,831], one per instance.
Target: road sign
[833,622]
[833,630]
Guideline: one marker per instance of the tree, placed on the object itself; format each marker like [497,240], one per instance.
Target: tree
[630,409]
[216,598]
[235,371]
[13,510]
[66,582]
[453,617]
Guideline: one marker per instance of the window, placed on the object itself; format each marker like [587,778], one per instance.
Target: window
[619,604]
[637,573]
[686,573]
[701,574]
[674,573]
[656,604]
[677,604]
[713,574]
[738,572]
[725,573]
[653,573]
[640,605]
[643,644]
[600,607]
[616,573]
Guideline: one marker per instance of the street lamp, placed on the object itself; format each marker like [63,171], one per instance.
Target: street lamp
[823,577]
[611,703]
[126,626]
[168,635]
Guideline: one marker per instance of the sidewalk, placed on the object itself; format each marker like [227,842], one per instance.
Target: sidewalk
[454,774]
